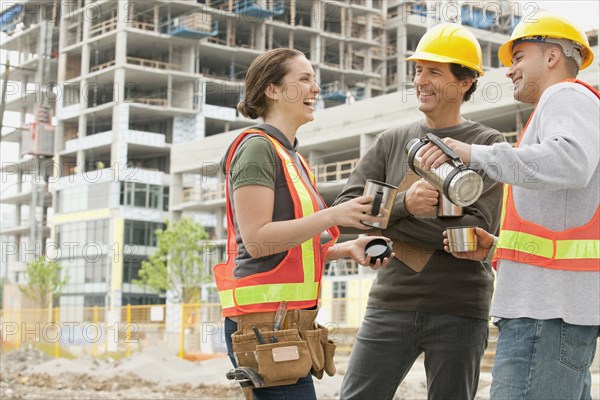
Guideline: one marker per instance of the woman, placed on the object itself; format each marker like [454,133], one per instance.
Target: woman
[275,252]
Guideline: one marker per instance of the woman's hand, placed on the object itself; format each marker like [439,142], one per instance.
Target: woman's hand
[355,249]
[353,213]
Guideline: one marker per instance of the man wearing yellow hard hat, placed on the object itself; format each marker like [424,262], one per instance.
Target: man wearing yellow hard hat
[426,301]
[547,299]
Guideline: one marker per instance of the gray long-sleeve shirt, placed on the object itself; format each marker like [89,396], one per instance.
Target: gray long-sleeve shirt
[556,184]
[446,285]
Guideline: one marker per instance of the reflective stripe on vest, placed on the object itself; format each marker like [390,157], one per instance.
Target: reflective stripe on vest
[575,249]
[297,277]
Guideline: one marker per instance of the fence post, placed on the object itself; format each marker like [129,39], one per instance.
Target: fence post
[128,334]
[19,319]
[56,321]
[181,337]
[95,348]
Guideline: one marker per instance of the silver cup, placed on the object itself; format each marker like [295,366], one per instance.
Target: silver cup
[384,196]
[446,208]
[461,239]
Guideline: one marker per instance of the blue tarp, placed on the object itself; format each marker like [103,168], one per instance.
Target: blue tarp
[476,17]
[334,96]
[251,9]
[7,16]
[183,31]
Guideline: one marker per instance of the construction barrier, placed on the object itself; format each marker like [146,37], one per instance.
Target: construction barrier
[190,330]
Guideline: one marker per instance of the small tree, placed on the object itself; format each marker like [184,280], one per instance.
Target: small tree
[177,263]
[45,281]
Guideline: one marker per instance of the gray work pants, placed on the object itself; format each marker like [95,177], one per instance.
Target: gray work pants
[389,341]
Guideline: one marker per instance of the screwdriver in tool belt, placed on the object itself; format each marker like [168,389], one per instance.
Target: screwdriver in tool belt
[279,318]
[280,315]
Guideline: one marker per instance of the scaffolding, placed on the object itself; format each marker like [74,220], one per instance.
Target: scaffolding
[193,25]
[251,8]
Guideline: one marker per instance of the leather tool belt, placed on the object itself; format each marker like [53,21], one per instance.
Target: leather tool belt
[283,356]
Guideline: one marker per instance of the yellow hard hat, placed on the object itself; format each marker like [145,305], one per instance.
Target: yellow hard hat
[450,43]
[543,26]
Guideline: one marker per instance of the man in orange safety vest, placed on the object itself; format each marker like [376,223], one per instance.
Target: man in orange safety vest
[547,299]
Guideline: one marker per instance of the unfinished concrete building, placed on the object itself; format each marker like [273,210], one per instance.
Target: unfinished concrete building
[30,36]
[136,79]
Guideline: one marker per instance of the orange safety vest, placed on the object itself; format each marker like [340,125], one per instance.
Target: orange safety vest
[297,278]
[575,249]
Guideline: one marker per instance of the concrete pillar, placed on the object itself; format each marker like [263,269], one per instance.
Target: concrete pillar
[317,16]
[120,125]
[365,142]
[85,48]
[260,39]
[401,53]
[315,157]
[220,228]
[175,196]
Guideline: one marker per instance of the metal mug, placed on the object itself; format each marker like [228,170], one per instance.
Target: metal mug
[461,239]
[384,197]
[446,208]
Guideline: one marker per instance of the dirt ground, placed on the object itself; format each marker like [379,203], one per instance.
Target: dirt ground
[151,374]
[30,374]
[18,381]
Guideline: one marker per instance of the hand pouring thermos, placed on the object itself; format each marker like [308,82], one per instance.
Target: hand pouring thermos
[459,184]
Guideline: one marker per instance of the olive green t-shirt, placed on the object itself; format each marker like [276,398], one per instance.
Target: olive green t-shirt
[254,164]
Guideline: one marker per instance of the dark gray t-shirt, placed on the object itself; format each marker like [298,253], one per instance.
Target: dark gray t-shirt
[256,163]
[445,285]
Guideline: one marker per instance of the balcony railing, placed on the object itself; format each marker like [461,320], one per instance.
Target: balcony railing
[200,195]
[334,172]
[144,62]
[191,195]
[145,25]
[111,24]
[103,27]
[102,66]
[331,172]
[150,101]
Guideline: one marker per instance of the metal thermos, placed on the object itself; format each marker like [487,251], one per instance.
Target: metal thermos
[446,208]
[384,196]
[454,180]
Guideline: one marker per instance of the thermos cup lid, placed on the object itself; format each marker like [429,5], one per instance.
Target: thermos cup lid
[378,249]
[465,188]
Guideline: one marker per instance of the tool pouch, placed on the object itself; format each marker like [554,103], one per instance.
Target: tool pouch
[302,347]
[321,351]
[279,363]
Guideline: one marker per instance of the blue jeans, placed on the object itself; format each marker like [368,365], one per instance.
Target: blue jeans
[543,359]
[389,341]
[304,389]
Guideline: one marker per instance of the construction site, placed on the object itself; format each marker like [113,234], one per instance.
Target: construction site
[117,114]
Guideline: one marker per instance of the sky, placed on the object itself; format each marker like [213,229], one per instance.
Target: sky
[583,12]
